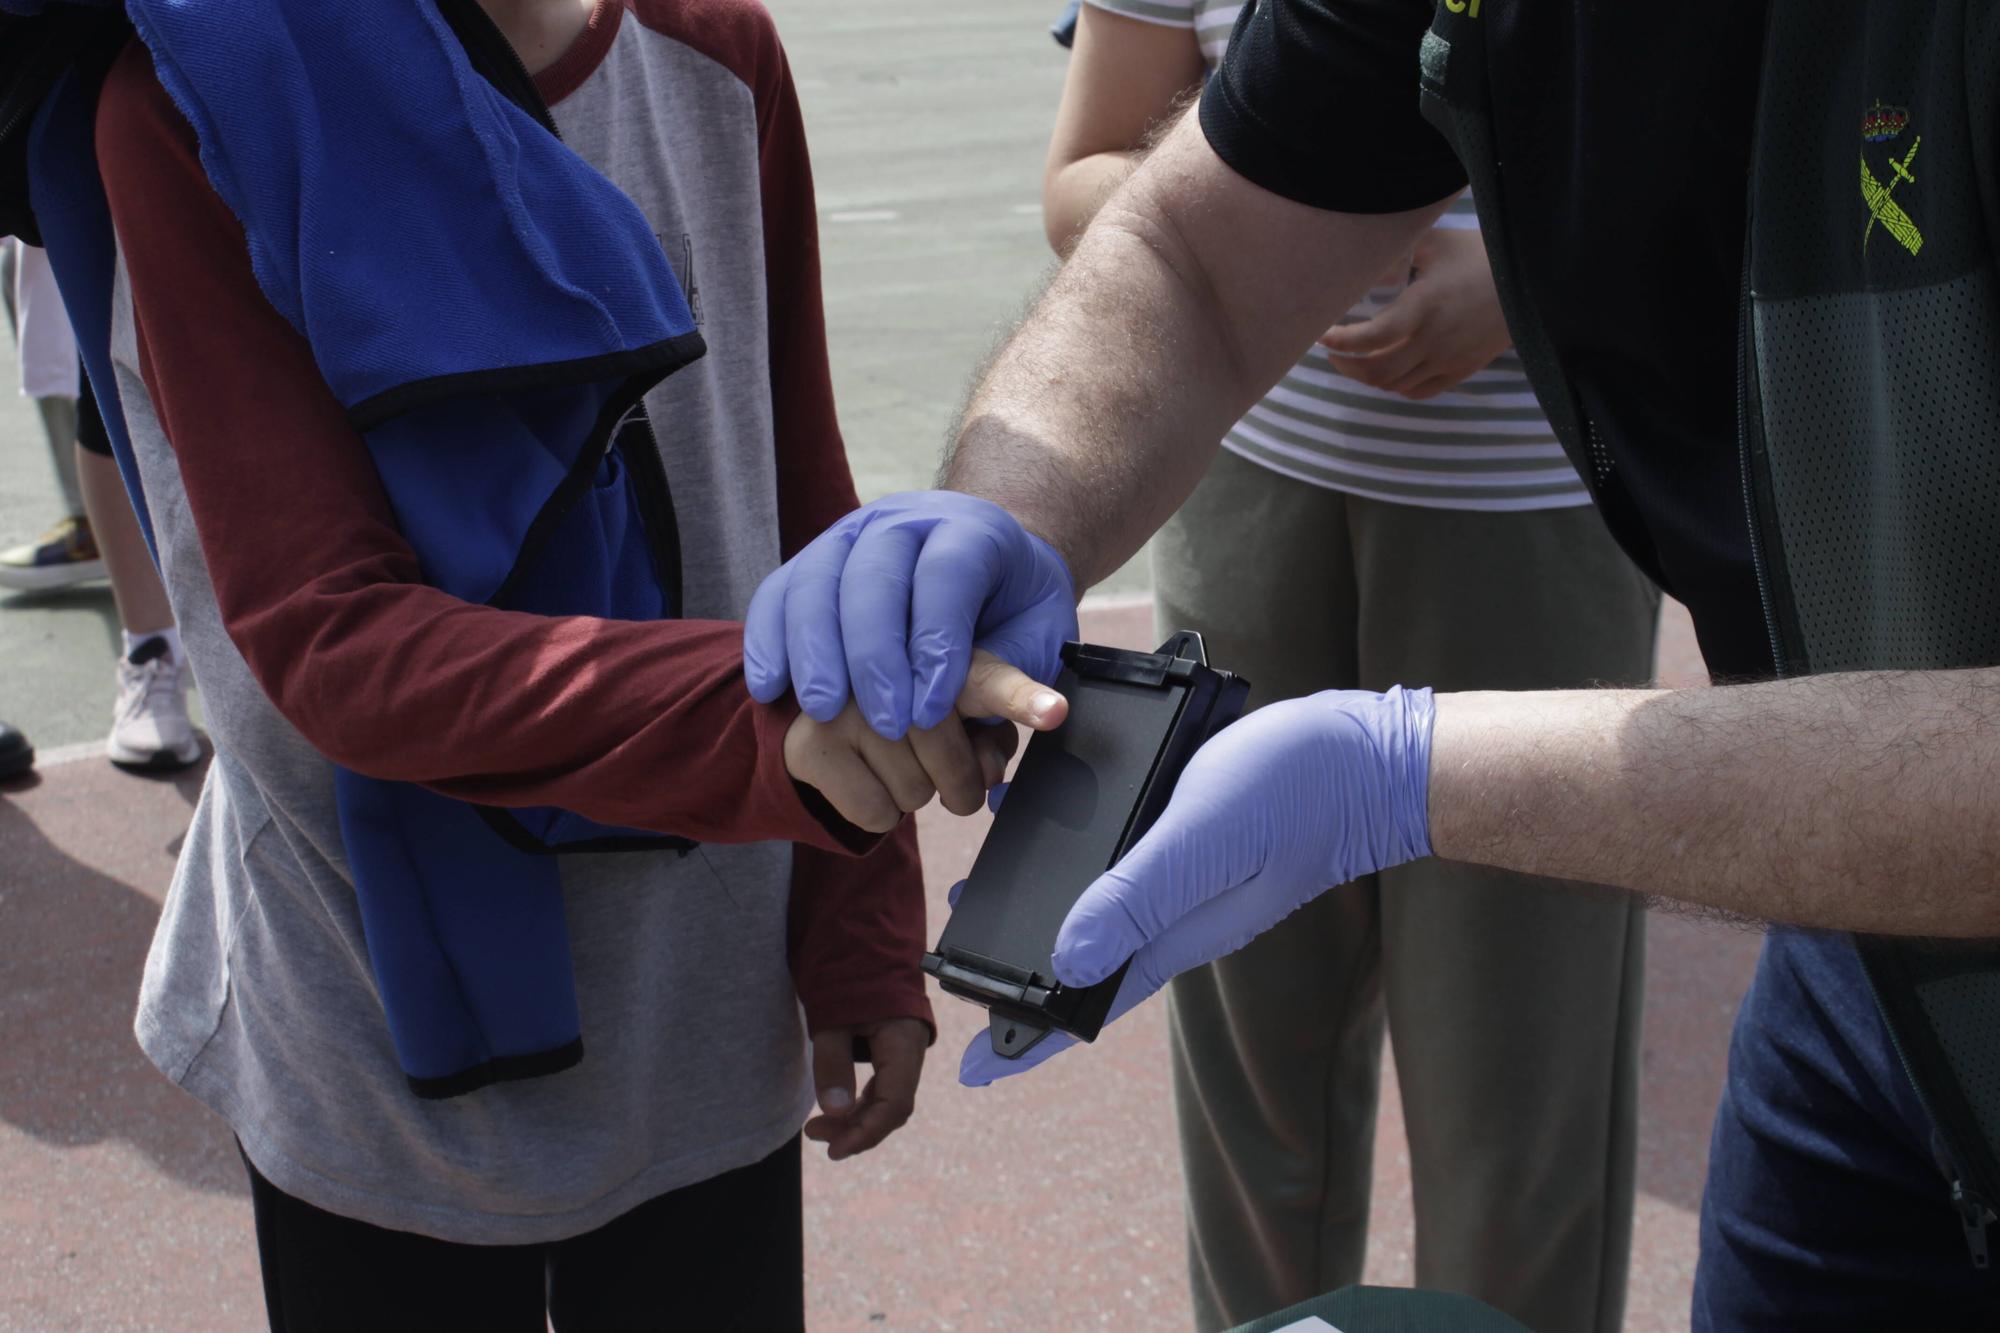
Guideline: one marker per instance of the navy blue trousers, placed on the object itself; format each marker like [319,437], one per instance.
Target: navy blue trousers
[1828,1204]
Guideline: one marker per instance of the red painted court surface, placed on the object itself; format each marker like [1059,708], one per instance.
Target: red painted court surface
[1049,1202]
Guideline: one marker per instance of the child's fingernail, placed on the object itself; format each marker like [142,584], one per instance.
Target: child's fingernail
[835,1099]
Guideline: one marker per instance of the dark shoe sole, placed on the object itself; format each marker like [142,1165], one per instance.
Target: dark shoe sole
[17,761]
[166,761]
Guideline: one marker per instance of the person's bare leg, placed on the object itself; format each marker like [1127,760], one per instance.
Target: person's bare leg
[135,584]
[150,727]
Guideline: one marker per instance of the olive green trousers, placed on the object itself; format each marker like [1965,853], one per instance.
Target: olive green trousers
[1512,1003]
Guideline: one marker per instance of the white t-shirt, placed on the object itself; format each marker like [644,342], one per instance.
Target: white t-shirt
[1483,445]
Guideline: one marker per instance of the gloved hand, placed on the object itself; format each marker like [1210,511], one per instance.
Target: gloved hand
[891,601]
[1293,799]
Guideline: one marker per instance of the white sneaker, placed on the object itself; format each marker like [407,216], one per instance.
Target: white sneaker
[150,727]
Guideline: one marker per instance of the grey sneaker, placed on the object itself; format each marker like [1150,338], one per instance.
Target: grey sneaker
[150,729]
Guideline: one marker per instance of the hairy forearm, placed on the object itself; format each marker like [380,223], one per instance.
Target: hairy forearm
[1073,193]
[1101,413]
[1099,416]
[1866,802]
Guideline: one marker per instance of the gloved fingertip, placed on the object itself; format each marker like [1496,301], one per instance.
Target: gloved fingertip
[888,725]
[995,796]
[951,894]
[768,683]
[935,682]
[975,1066]
[928,711]
[820,700]
[1084,963]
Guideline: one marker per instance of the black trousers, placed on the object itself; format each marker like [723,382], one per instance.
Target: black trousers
[727,1253]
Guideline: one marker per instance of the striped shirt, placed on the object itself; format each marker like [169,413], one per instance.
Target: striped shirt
[1483,445]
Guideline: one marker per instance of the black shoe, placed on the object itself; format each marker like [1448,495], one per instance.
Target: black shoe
[16,755]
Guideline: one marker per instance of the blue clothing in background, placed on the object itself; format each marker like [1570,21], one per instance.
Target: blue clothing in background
[1828,1200]
[1064,28]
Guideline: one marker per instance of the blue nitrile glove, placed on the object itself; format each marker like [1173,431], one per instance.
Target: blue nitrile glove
[1295,798]
[894,597]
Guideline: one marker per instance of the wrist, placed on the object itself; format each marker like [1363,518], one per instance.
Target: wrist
[1051,552]
[1518,776]
[1490,773]
[866,1007]
[1455,774]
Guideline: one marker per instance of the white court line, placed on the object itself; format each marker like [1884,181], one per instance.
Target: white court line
[864,215]
[59,755]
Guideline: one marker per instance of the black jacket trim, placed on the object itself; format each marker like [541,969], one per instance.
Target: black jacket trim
[502,822]
[657,360]
[573,487]
[500,1069]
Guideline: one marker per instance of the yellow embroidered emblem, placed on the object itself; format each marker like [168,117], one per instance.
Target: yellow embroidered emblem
[1880,124]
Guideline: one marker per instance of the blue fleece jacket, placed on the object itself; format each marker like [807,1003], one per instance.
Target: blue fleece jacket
[489,310]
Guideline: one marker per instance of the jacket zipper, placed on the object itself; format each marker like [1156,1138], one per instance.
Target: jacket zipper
[656,500]
[1746,366]
[484,44]
[1975,1213]
[18,117]
[531,100]
[42,68]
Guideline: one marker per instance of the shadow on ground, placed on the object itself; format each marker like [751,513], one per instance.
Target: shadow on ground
[87,599]
[72,1073]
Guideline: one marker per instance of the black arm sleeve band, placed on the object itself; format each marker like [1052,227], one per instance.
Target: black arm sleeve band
[1317,101]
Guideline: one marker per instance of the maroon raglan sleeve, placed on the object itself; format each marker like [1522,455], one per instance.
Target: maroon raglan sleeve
[857,924]
[646,725]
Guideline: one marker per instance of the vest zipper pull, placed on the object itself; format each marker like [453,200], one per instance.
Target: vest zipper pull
[1973,1215]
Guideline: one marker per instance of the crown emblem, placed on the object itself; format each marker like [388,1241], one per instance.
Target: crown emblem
[1879,123]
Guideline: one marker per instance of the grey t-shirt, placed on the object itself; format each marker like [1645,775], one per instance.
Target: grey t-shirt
[258,997]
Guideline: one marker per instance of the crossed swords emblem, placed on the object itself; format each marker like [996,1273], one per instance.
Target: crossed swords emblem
[1883,209]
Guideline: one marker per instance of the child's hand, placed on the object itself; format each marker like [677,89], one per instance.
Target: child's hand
[896,1049]
[1443,327]
[873,783]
